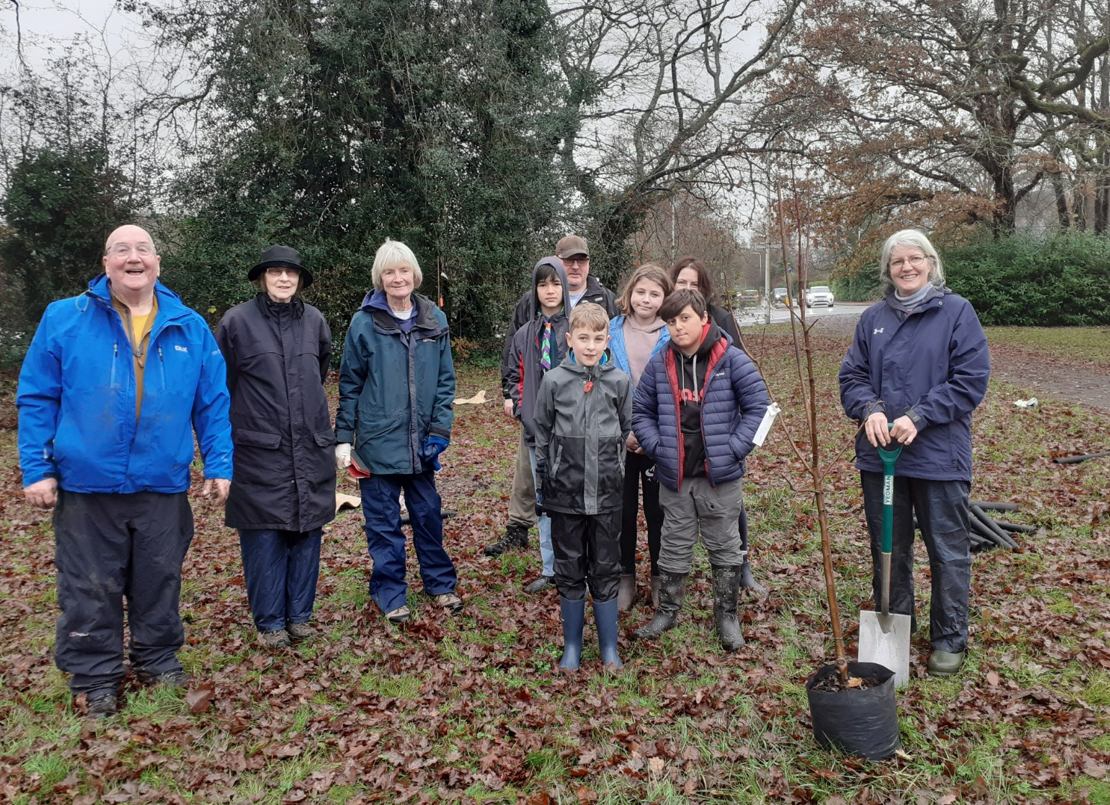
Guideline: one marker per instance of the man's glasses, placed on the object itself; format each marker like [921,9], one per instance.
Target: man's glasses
[581,261]
[917,261]
[124,249]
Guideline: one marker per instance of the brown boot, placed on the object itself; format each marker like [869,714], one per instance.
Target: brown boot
[626,593]
[656,586]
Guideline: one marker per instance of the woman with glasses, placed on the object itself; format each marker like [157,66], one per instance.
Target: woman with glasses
[278,349]
[916,370]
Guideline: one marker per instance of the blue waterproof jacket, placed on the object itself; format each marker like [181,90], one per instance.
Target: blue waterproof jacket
[395,387]
[733,401]
[932,365]
[76,399]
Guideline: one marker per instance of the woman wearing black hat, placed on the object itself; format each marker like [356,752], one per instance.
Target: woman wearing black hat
[277,350]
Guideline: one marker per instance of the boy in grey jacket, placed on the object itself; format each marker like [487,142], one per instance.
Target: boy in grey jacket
[581,424]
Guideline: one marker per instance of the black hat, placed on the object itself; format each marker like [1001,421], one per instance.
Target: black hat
[276,256]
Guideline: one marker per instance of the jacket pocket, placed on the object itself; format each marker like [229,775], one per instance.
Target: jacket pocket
[325,438]
[256,438]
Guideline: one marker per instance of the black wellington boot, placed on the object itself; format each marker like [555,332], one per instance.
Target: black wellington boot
[671,595]
[726,590]
[747,580]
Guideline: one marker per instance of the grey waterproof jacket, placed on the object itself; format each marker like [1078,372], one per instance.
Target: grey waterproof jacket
[582,421]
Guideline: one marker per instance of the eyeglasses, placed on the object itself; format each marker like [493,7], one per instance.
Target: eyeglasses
[581,261]
[917,261]
[283,270]
[124,249]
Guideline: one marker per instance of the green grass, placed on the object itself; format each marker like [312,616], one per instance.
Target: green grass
[1077,343]
[382,712]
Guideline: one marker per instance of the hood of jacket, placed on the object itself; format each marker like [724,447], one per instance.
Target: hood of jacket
[692,368]
[534,310]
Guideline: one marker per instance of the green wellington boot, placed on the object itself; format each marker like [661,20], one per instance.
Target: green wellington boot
[945,663]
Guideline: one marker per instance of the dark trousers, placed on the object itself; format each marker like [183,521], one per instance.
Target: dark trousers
[942,515]
[386,542]
[109,548]
[640,469]
[587,553]
[281,569]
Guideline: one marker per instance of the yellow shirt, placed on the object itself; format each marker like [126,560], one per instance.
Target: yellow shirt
[138,330]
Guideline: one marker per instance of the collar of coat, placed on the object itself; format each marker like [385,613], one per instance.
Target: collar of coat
[376,305]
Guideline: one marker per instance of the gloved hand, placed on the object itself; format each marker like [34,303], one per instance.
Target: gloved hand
[343,455]
[433,446]
[541,480]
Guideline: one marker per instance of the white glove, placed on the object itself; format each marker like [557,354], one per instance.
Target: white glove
[343,455]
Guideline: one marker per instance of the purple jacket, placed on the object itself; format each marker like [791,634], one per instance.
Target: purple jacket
[931,364]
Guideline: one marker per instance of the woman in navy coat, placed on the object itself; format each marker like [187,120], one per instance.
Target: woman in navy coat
[916,370]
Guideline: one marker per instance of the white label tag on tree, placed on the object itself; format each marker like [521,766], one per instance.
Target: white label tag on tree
[765,426]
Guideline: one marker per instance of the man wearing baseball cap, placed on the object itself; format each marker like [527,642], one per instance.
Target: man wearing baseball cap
[574,253]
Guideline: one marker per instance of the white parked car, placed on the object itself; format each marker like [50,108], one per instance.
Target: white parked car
[819,295]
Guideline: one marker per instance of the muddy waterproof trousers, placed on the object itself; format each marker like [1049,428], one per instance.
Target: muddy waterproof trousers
[941,508]
[109,548]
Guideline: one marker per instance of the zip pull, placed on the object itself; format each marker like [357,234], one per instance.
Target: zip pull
[589,385]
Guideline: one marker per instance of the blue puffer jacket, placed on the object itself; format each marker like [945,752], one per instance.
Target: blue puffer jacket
[395,387]
[77,399]
[932,364]
[733,401]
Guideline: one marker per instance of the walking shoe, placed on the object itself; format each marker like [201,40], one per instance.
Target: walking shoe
[399,615]
[516,536]
[945,663]
[171,679]
[448,601]
[104,705]
[299,632]
[541,584]
[279,638]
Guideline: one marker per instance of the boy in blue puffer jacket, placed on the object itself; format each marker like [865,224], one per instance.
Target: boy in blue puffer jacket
[696,411]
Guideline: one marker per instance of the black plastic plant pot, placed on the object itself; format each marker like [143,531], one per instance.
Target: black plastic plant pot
[856,721]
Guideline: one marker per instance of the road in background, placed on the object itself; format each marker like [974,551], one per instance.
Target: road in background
[845,315]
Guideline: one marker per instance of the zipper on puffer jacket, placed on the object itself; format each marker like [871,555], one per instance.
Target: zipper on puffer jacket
[115,359]
[162,365]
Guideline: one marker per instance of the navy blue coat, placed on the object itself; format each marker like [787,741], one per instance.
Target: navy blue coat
[932,364]
[734,399]
[277,362]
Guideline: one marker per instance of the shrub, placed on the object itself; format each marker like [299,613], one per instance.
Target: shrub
[1059,281]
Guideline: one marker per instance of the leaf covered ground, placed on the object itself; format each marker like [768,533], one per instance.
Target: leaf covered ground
[469,708]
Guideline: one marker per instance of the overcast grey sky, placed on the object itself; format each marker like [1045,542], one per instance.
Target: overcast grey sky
[46,27]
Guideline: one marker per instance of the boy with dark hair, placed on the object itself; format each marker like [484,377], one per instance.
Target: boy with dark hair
[697,409]
[538,347]
[582,420]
